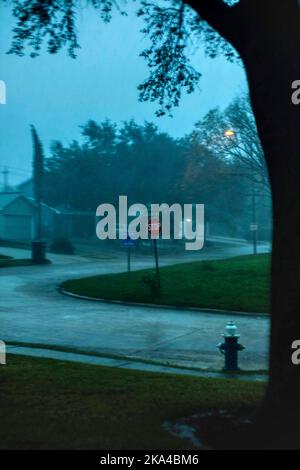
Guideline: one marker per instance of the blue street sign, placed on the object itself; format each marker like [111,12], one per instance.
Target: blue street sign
[128,242]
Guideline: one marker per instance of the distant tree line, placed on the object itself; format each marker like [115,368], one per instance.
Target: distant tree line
[149,165]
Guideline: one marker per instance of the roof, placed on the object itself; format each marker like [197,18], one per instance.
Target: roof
[27,182]
[53,209]
[7,198]
[7,189]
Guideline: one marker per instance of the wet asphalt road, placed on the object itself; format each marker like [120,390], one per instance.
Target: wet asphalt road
[32,310]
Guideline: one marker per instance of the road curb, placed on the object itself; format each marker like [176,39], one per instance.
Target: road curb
[127,364]
[161,306]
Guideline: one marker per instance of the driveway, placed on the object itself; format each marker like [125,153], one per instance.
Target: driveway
[32,310]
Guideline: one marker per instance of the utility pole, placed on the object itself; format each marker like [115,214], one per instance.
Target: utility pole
[5,173]
[254,219]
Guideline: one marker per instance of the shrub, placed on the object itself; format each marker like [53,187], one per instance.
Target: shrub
[150,281]
[206,266]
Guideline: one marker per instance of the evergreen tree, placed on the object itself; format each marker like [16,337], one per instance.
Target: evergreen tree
[38,173]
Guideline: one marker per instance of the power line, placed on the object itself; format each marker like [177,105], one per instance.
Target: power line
[19,170]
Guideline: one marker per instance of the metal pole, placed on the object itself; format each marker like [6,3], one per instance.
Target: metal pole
[156,263]
[254,221]
[128,259]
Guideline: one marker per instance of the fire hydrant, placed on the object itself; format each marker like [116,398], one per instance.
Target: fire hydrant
[231,347]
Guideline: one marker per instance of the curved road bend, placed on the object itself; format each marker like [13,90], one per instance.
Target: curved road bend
[32,310]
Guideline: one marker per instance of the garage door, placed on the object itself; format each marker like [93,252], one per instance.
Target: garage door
[18,227]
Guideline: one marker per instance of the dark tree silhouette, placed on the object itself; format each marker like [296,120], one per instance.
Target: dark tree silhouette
[266,36]
[241,146]
[38,174]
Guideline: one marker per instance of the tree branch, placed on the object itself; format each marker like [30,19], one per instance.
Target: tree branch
[218,15]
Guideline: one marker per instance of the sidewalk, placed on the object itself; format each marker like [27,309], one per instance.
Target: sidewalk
[127,363]
[34,313]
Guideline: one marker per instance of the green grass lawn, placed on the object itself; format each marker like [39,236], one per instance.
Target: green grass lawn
[49,404]
[4,257]
[240,283]
[8,261]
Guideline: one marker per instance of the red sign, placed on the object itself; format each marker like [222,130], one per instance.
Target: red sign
[154,226]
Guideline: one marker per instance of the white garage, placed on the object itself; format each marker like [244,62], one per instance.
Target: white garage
[17,216]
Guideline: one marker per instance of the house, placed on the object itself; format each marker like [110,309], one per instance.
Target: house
[26,188]
[17,216]
[62,221]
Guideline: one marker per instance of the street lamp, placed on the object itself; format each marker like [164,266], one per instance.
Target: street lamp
[256,178]
[229,133]
[253,226]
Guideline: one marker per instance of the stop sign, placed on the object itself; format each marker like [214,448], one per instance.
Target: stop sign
[154,226]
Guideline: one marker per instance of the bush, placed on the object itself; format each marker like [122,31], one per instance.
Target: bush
[150,281]
[62,245]
[206,266]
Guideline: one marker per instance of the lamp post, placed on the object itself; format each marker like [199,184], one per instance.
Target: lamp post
[253,226]
[230,134]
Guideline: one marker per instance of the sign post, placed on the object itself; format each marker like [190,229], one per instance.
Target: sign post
[128,259]
[154,228]
[128,243]
[156,263]
[254,229]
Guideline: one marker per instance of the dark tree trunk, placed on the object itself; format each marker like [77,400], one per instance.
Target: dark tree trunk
[279,130]
[266,34]
[272,65]
[278,123]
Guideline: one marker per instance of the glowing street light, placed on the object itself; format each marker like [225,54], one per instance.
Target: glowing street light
[229,133]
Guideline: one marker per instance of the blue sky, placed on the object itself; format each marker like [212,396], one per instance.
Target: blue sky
[57,93]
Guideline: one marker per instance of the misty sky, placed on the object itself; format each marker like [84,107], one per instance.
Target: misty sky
[57,93]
